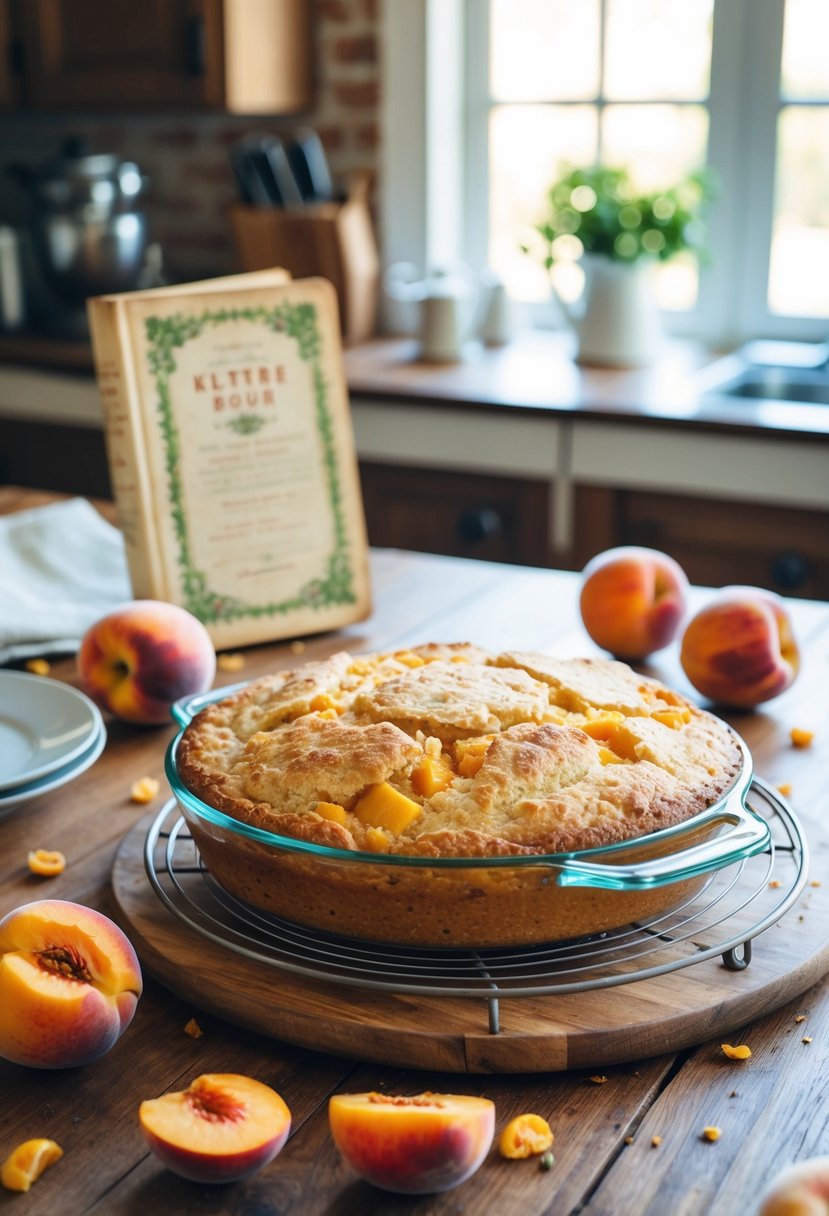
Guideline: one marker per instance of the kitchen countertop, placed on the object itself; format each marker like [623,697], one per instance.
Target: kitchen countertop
[628,1142]
[536,374]
[533,375]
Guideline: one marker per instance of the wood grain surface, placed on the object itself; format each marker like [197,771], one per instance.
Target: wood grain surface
[772,1109]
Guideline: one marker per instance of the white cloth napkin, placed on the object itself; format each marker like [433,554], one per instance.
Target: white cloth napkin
[61,568]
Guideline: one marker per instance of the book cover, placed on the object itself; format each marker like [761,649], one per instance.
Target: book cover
[232,453]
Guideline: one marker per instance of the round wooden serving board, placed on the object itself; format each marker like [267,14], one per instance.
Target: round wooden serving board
[574,1030]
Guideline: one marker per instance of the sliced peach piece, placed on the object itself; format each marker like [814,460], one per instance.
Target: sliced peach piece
[471,753]
[675,718]
[223,1127]
[525,1136]
[382,806]
[46,862]
[26,1163]
[332,811]
[412,1145]
[69,984]
[603,726]
[433,773]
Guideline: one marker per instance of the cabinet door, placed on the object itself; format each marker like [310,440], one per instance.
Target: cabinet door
[119,53]
[717,542]
[458,514]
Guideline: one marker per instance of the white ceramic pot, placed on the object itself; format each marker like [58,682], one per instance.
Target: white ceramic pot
[616,318]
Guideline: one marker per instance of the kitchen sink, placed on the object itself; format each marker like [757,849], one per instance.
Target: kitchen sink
[758,372]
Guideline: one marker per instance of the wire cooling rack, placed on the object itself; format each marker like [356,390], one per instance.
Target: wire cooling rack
[734,907]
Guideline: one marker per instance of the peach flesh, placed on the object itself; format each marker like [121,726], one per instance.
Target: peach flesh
[412,1145]
[222,1128]
[69,984]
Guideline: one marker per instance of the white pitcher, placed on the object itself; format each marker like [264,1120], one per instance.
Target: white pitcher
[616,318]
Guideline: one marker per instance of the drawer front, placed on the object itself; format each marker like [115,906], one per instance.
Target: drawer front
[459,514]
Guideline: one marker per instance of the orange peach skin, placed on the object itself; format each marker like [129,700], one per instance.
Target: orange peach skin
[740,650]
[137,660]
[799,1190]
[222,1128]
[413,1146]
[69,984]
[633,600]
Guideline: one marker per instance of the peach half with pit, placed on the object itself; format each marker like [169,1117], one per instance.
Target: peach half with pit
[222,1128]
[412,1145]
[740,648]
[69,984]
[633,600]
[140,658]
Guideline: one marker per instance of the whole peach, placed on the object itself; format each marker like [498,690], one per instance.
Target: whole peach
[412,1145]
[69,984]
[799,1190]
[137,660]
[740,649]
[633,600]
[222,1128]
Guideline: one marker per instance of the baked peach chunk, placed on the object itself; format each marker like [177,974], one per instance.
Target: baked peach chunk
[432,774]
[412,1145]
[382,806]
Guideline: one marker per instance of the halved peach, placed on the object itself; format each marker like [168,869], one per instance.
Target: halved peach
[69,984]
[412,1145]
[223,1127]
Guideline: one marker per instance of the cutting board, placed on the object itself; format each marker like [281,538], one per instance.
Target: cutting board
[539,1033]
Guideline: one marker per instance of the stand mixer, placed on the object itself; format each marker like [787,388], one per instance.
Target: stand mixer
[88,232]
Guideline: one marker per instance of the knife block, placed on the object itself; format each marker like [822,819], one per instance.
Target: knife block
[335,240]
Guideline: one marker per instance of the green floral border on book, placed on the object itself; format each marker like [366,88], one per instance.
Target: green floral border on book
[299,321]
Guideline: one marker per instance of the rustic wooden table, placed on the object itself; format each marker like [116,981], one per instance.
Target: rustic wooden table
[772,1110]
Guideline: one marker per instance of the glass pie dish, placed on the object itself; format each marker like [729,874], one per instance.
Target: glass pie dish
[466,902]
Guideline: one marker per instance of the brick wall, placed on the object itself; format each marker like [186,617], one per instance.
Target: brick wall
[185,155]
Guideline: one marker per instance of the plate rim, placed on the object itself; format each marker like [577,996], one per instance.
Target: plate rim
[74,695]
[55,780]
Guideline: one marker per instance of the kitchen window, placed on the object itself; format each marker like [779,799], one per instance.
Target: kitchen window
[515,87]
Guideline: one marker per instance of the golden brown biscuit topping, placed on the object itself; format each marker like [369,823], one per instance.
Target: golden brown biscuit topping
[445,750]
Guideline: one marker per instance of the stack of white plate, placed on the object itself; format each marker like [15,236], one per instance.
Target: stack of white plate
[49,734]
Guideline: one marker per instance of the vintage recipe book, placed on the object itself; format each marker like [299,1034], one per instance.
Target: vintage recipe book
[232,455]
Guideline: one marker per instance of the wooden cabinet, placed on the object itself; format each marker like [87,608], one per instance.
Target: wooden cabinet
[241,56]
[716,541]
[501,519]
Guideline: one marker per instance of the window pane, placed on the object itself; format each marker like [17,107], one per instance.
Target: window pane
[544,49]
[527,146]
[799,272]
[658,144]
[656,50]
[805,72]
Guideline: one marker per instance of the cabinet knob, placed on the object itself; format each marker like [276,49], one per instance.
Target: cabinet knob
[476,526]
[790,570]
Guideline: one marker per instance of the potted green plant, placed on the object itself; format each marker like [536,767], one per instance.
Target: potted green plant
[596,214]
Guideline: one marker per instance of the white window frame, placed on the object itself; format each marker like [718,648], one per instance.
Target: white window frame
[434,153]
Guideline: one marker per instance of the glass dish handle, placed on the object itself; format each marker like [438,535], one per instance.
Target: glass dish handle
[185,709]
[749,834]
